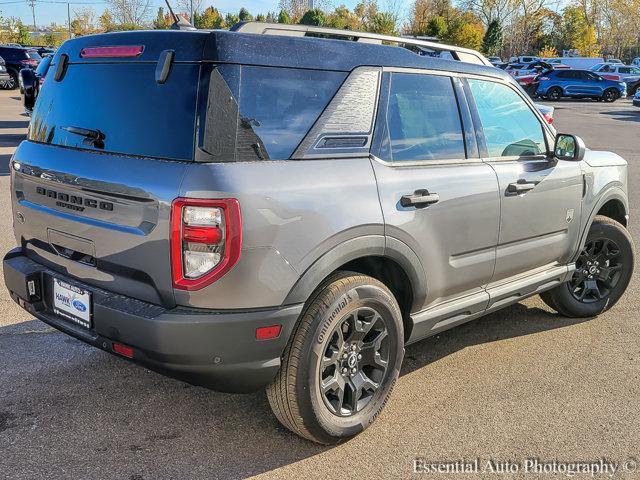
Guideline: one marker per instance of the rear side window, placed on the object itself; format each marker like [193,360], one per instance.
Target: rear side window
[510,127]
[263,113]
[422,121]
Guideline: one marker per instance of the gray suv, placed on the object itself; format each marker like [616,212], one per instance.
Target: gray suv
[287,207]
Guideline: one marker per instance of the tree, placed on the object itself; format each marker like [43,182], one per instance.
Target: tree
[260,17]
[342,18]
[210,19]
[83,22]
[436,27]
[161,22]
[295,9]
[313,17]
[492,40]
[548,52]
[230,20]
[129,14]
[22,35]
[186,5]
[271,18]
[105,22]
[244,15]
[284,18]
[384,23]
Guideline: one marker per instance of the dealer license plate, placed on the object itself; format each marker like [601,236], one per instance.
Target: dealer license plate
[72,303]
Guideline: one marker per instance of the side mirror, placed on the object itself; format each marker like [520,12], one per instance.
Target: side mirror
[569,147]
[29,81]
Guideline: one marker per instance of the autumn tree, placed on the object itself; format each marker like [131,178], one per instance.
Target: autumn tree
[492,40]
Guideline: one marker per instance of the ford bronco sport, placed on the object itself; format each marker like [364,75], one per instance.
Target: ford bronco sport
[286,207]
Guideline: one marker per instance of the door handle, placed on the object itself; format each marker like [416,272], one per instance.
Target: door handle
[419,199]
[521,186]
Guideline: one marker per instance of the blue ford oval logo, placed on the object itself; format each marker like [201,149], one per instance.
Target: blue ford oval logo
[78,305]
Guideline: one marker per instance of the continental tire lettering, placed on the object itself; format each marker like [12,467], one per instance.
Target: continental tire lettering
[342,303]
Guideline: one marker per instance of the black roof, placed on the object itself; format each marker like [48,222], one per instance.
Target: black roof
[271,50]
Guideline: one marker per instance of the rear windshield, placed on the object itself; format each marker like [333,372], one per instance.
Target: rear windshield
[33,55]
[123,102]
[262,113]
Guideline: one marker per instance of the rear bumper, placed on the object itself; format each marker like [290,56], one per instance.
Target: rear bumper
[215,349]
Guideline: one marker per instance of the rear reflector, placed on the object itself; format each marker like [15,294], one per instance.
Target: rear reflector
[268,333]
[112,52]
[123,350]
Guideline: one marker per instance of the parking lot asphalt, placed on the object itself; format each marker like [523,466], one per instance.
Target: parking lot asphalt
[519,384]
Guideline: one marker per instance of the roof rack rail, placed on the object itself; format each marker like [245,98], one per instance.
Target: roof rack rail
[458,53]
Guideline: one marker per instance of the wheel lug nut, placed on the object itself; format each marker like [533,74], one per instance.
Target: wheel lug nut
[353,347]
[344,355]
[359,356]
[344,370]
[353,370]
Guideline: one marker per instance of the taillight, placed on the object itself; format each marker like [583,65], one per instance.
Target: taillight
[29,62]
[206,238]
[112,52]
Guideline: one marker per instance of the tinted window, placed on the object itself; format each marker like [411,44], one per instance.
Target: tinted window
[564,74]
[510,127]
[423,121]
[33,55]
[281,105]
[276,109]
[589,76]
[123,101]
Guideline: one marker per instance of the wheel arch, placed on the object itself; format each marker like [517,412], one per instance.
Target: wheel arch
[392,262]
[613,204]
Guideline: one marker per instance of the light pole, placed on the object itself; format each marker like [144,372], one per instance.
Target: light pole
[33,12]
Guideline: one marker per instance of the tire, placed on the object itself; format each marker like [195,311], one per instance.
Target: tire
[554,94]
[295,395]
[11,84]
[610,95]
[608,243]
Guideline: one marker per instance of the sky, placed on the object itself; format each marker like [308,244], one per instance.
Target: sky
[48,11]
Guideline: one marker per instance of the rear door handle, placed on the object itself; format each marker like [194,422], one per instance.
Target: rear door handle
[521,186]
[419,199]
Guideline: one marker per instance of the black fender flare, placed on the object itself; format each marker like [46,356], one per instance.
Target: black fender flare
[353,249]
[613,192]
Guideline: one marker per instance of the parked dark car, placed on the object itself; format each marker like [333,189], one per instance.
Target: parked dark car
[17,58]
[556,84]
[44,51]
[4,75]
[633,88]
[265,208]
[31,81]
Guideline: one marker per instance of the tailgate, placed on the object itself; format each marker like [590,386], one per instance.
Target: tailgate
[101,218]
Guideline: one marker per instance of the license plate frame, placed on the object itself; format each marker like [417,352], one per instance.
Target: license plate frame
[72,302]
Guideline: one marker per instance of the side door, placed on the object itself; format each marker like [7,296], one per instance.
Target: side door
[592,83]
[540,195]
[437,196]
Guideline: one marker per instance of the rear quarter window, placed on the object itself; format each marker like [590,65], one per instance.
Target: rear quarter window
[263,113]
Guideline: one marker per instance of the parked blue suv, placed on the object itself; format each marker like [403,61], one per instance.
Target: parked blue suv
[556,84]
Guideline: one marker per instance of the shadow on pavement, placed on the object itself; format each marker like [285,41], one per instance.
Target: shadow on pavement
[514,321]
[82,408]
[625,115]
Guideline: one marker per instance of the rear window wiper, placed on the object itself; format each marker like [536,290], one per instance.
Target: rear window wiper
[92,137]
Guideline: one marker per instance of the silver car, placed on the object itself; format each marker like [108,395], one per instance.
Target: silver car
[272,207]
